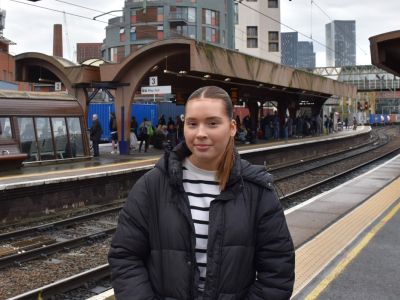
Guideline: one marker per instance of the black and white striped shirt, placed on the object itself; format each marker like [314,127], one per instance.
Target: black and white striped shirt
[201,188]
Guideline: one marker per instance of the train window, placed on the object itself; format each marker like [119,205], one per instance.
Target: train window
[44,138]
[61,138]
[27,138]
[75,137]
[5,128]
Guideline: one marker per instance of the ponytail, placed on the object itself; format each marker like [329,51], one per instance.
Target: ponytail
[226,164]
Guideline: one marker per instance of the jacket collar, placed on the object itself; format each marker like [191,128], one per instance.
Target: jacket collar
[242,170]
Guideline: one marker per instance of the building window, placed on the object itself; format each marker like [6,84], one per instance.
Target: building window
[160,14]
[133,33]
[113,54]
[236,9]
[160,32]
[5,128]
[122,34]
[273,47]
[272,3]
[273,36]
[185,30]
[133,16]
[252,37]
[45,139]
[252,43]
[210,34]
[28,138]
[191,14]
[210,17]
[182,12]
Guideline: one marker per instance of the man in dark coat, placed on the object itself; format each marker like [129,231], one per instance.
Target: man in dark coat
[95,134]
[250,252]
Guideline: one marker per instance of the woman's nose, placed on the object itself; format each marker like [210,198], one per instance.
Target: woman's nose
[201,131]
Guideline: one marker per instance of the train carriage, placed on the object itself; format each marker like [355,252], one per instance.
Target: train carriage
[37,127]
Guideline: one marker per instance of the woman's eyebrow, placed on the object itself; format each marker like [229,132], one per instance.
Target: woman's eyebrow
[208,118]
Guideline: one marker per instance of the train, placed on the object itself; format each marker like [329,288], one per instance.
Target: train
[39,127]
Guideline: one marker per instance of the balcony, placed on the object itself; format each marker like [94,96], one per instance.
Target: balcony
[177,19]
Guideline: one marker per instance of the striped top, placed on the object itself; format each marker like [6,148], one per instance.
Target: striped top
[201,187]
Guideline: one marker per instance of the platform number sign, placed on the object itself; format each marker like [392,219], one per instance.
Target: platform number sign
[153,81]
[57,86]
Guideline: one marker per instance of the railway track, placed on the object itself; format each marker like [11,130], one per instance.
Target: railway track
[301,178]
[66,284]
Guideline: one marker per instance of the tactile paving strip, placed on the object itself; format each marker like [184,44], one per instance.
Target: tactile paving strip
[315,255]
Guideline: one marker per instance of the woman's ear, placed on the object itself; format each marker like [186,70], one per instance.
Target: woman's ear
[233,127]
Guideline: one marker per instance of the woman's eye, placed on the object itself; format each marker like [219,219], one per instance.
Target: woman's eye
[213,124]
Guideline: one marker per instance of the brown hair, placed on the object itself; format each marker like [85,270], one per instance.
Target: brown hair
[228,158]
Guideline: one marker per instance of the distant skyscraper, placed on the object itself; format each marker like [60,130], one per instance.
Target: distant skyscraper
[341,43]
[305,55]
[297,54]
[289,48]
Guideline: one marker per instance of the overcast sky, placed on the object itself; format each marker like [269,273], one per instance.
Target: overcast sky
[31,27]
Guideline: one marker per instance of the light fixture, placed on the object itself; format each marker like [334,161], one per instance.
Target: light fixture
[227,79]
[207,76]
[274,87]
[155,68]
[260,85]
[182,72]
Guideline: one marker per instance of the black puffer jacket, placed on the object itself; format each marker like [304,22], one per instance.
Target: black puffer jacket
[250,251]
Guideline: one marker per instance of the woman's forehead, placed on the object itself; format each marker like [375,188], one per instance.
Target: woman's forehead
[205,104]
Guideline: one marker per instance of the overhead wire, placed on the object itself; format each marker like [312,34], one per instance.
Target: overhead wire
[84,7]
[59,11]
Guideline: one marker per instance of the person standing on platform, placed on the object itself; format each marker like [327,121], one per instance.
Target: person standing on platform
[95,134]
[204,223]
[113,132]
[144,134]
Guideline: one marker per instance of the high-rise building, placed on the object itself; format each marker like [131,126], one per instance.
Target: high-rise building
[305,55]
[341,43]
[289,48]
[255,34]
[85,51]
[145,21]
[297,54]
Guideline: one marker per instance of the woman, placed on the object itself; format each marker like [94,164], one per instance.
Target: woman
[203,224]
[114,133]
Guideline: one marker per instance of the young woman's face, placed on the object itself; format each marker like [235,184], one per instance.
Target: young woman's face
[207,131]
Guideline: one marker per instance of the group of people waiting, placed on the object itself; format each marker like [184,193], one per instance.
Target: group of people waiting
[166,135]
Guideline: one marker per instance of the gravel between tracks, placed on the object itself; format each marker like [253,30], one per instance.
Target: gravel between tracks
[31,275]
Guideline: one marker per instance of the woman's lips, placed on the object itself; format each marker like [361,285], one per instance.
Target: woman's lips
[202,147]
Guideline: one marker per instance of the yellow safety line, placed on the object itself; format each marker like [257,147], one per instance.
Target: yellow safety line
[79,169]
[353,254]
[315,255]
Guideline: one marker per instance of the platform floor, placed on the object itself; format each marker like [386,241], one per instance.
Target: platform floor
[108,163]
[328,225]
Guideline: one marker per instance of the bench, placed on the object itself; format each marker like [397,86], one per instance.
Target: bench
[10,155]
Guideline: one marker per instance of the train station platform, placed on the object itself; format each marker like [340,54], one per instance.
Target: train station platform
[113,164]
[334,232]
[347,239]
